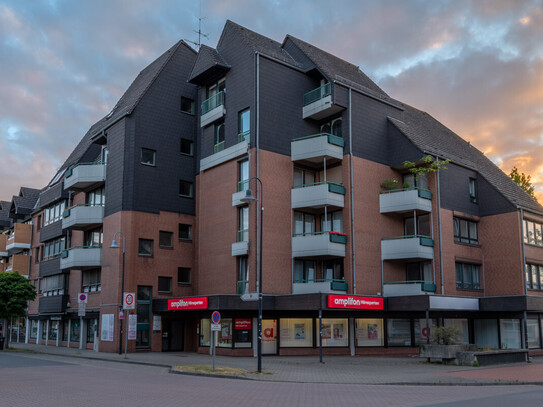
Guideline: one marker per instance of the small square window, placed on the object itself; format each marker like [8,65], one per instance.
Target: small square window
[185,189]
[187,147]
[473,190]
[183,275]
[145,247]
[148,156]
[185,232]
[165,239]
[164,284]
[187,105]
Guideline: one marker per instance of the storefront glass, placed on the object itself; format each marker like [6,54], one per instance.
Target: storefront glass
[335,332]
[296,333]
[421,333]
[462,325]
[242,332]
[34,328]
[510,333]
[205,332]
[224,337]
[399,332]
[486,333]
[369,332]
[91,329]
[75,330]
[53,330]
[533,333]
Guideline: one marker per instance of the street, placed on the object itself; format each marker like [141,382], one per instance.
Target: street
[29,380]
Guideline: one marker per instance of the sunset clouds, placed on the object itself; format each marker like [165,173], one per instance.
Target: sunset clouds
[477,66]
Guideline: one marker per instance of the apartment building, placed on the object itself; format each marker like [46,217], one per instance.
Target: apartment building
[152,202]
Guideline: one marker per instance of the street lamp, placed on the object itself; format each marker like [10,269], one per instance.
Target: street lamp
[115,245]
[248,198]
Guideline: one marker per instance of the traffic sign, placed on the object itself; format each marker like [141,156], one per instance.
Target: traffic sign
[82,298]
[249,297]
[215,327]
[216,317]
[128,301]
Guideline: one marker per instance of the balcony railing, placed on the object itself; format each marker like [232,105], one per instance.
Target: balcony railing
[332,187]
[407,288]
[405,199]
[243,185]
[319,285]
[316,94]
[83,175]
[82,215]
[81,256]
[319,244]
[317,195]
[315,147]
[218,147]
[336,140]
[243,286]
[407,247]
[243,235]
[245,136]
[213,102]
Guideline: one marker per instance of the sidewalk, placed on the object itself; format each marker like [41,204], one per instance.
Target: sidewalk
[335,369]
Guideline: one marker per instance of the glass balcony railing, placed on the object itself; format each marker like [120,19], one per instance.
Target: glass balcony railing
[317,94]
[243,235]
[335,237]
[218,147]
[213,102]
[332,187]
[243,286]
[245,136]
[243,185]
[332,139]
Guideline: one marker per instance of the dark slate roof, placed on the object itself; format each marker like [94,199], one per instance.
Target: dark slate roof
[208,59]
[23,203]
[126,103]
[258,43]
[335,68]
[431,136]
[5,220]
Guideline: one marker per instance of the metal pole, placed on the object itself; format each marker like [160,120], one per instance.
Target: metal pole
[320,334]
[260,282]
[127,316]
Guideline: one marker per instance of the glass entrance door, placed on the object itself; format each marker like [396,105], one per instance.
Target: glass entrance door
[269,337]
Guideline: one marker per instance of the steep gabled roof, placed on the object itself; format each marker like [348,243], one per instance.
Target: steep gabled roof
[208,60]
[23,203]
[335,68]
[5,220]
[429,135]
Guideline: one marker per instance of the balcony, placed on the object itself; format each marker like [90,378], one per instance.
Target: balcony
[241,247]
[318,195]
[318,103]
[212,109]
[408,288]
[81,257]
[55,304]
[224,155]
[80,217]
[19,262]
[319,286]
[84,175]
[313,149]
[243,286]
[323,244]
[237,196]
[407,247]
[405,200]
[19,239]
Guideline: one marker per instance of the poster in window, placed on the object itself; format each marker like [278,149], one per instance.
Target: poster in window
[107,327]
[338,331]
[326,331]
[299,331]
[372,331]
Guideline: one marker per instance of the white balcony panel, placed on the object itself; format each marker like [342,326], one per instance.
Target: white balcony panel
[4,254]
[320,109]
[212,115]
[315,196]
[314,149]
[15,246]
[312,288]
[82,257]
[225,155]
[240,248]
[401,290]
[403,201]
[316,245]
[410,248]
[82,216]
[84,176]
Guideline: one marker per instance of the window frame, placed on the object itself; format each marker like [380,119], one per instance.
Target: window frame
[162,233]
[164,279]
[153,163]
[459,238]
[191,145]
[460,271]
[192,109]
[190,186]
[142,240]
[189,228]
[179,271]
[473,190]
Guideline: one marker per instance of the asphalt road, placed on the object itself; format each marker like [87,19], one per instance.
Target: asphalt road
[40,380]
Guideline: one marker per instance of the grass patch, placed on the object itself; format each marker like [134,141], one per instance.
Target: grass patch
[209,370]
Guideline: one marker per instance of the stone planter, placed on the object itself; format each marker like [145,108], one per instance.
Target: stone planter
[444,353]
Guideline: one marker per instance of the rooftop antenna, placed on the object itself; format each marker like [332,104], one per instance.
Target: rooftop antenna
[199,32]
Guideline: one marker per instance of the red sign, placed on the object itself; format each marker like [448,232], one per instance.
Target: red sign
[242,323]
[354,302]
[187,303]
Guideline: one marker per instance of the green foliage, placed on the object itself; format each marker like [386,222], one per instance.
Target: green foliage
[446,335]
[15,291]
[425,166]
[390,184]
[524,181]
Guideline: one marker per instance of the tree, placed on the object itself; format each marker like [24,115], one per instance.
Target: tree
[15,291]
[524,181]
[427,165]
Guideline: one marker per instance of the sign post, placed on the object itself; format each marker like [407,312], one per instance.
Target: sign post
[82,304]
[215,327]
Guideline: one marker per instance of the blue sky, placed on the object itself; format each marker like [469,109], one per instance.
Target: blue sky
[477,66]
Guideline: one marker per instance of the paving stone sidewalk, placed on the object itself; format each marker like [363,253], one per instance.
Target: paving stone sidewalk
[335,369]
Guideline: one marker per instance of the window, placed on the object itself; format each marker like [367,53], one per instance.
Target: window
[185,189]
[75,330]
[420,271]
[53,248]
[53,330]
[37,260]
[185,231]
[335,332]
[468,276]
[333,127]
[97,197]
[333,222]
[145,247]
[187,105]
[243,275]
[303,177]
[187,147]
[53,285]
[143,329]
[91,281]
[332,270]
[53,213]
[304,223]
[218,132]
[243,175]
[534,276]
[369,332]
[304,271]
[473,190]
[183,275]
[465,231]
[420,181]
[94,237]
[243,231]
[92,326]
[296,332]
[244,125]
[40,222]
[422,227]
[398,332]
[165,239]
[533,233]
[217,87]
[164,284]
[148,156]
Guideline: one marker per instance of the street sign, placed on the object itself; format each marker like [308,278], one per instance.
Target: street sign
[81,310]
[121,314]
[82,298]
[215,327]
[216,317]
[249,297]
[128,301]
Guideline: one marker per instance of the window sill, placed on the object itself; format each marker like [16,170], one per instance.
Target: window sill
[164,292]
[186,196]
[477,290]
[468,244]
[148,165]
[166,247]
[185,240]
[188,155]
[184,284]
[145,255]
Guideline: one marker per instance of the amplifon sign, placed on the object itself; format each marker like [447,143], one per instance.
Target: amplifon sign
[187,303]
[354,302]
[242,323]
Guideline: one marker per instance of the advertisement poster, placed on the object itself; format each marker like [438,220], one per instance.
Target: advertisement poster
[299,331]
[107,327]
[326,331]
[132,326]
[157,323]
[338,331]
[372,331]
[285,333]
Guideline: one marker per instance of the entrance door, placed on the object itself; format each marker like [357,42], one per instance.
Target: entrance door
[269,337]
[172,335]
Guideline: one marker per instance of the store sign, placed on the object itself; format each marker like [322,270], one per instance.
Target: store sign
[242,323]
[354,302]
[187,303]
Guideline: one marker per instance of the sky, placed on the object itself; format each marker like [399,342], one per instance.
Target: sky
[476,66]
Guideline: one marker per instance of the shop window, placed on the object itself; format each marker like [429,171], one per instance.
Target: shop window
[145,247]
[187,105]
[243,332]
[510,333]
[53,330]
[422,333]
[399,332]
[534,333]
[183,275]
[185,232]
[165,239]
[75,330]
[224,338]
[369,332]
[144,317]
[486,333]
[205,332]
[148,156]
[34,328]
[335,332]
[187,147]
[462,325]
[296,333]
[92,326]
[164,284]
